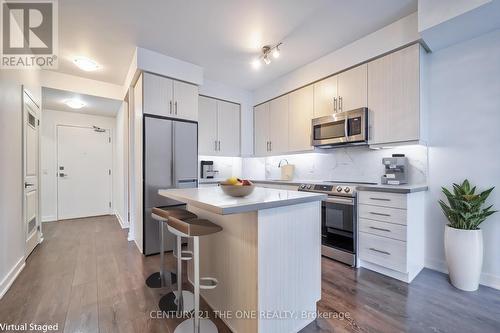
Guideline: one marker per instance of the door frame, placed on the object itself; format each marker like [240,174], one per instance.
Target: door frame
[25,93]
[111,212]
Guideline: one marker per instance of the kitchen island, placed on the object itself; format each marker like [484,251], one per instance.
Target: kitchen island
[267,258]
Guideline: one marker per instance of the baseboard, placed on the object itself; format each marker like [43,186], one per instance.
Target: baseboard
[11,277]
[486,279]
[49,218]
[123,224]
[138,247]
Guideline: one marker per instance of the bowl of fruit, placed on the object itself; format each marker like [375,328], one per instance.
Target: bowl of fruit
[236,187]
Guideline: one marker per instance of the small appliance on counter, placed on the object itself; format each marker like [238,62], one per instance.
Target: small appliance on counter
[287,170]
[396,170]
[207,170]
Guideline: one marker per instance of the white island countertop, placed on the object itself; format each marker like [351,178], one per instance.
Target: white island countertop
[214,200]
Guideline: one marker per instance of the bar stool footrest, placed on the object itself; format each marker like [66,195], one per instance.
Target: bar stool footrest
[186,255]
[210,283]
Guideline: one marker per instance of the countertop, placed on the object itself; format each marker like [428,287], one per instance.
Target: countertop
[406,188]
[214,200]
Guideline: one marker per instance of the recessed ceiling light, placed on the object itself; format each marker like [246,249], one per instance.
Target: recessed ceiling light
[74,103]
[86,64]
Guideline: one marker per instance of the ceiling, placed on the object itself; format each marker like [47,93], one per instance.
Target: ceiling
[53,99]
[222,36]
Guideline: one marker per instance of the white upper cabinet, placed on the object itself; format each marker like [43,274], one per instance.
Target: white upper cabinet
[352,89]
[218,127]
[261,129]
[299,119]
[278,122]
[325,97]
[157,98]
[185,101]
[170,98]
[207,126]
[394,97]
[228,128]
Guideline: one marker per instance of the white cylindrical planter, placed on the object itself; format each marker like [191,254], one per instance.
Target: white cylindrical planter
[464,256]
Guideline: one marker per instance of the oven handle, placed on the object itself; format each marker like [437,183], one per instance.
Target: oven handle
[344,201]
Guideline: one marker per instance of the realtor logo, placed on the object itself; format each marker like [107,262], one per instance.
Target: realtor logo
[29,34]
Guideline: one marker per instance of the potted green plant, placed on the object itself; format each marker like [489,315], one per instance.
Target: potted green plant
[463,240]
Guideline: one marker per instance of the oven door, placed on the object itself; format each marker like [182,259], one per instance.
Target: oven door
[338,223]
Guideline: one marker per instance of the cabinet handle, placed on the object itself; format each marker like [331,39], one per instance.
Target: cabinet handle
[335,104]
[270,146]
[170,109]
[381,214]
[215,143]
[379,251]
[175,107]
[340,103]
[219,145]
[267,145]
[380,229]
[380,199]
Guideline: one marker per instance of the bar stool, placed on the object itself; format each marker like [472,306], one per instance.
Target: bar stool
[194,229]
[161,214]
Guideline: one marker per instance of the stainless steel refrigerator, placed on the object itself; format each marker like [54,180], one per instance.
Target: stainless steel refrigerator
[170,153]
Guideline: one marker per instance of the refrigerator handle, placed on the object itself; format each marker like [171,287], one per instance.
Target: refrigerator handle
[172,163]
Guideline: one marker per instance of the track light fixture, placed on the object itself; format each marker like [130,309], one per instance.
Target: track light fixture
[265,57]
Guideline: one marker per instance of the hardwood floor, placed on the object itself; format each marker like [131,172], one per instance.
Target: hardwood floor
[87,277]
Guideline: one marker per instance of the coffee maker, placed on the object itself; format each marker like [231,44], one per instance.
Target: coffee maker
[207,169]
[396,170]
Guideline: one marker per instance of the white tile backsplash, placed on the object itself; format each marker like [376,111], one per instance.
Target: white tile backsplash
[356,164]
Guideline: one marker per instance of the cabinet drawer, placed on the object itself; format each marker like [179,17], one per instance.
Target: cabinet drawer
[386,252]
[390,230]
[384,199]
[384,214]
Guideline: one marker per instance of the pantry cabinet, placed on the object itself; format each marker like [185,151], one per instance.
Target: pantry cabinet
[218,127]
[170,98]
[299,119]
[394,97]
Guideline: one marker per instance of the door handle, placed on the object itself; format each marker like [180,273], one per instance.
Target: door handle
[62,175]
[28,184]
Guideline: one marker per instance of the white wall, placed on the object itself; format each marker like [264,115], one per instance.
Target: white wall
[464,100]
[12,236]
[395,35]
[237,95]
[50,119]
[120,167]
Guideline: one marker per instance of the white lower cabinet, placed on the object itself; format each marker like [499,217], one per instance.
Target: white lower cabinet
[391,233]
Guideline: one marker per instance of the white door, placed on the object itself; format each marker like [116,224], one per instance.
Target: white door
[261,130]
[207,126]
[185,101]
[31,219]
[84,172]
[301,113]
[353,88]
[228,128]
[278,130]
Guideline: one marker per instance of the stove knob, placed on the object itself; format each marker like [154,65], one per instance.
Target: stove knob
[339,188]
[347,190]
[302,186]
[309,186]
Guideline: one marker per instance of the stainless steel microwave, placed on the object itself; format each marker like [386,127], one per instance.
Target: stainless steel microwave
[340,129]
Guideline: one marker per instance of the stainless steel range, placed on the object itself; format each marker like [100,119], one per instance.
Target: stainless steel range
[338,219]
